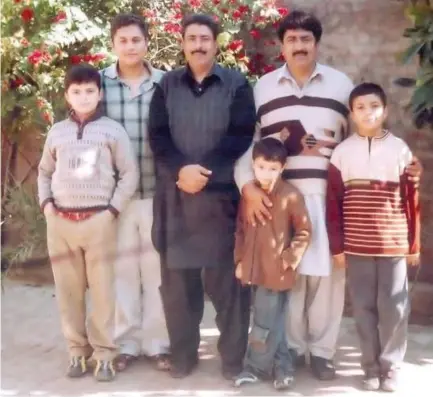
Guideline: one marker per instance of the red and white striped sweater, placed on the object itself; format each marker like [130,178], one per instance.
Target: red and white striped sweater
[372,208]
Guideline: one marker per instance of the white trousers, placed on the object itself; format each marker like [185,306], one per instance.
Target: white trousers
[140,322]
[314,314]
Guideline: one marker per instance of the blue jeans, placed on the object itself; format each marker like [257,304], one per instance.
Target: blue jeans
[268,353]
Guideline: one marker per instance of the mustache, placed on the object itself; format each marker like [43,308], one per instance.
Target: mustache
[199,51]
[300,53]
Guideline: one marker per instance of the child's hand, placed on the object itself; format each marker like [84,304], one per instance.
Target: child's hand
[413,260]
[238,272]
[49,209]
[339,261]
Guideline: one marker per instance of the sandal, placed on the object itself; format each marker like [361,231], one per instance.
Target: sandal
[123,361]
[161,362]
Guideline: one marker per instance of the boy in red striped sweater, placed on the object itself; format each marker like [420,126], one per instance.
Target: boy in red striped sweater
[374,228]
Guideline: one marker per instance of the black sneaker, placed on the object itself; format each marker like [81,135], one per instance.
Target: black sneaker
[104,371]
[178,371]
[322,368]
[77,367]
[230,373]
[298,360]
[244,378]
[389,381]
[284,382]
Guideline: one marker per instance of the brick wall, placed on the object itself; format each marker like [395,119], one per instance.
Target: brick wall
[363,39]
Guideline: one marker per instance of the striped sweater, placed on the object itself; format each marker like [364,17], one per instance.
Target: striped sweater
[311,120]
[372,208]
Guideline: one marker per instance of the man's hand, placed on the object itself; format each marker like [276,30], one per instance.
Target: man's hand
[413,260]
[257,204]
[339,261]
[49,209]
[414,171]
[193,178]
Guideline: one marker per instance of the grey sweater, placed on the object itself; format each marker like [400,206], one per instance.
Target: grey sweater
[87,167]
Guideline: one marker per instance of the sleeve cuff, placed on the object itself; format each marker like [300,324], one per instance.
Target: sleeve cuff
[113,210]
[45,202]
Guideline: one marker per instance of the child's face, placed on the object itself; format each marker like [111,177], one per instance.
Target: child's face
[368,113]
[267,172]
[83,98]
[130,45]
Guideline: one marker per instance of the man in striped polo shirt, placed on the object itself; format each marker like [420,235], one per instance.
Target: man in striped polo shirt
[304,103]
[128,86]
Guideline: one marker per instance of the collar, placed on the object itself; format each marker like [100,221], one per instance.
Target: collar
[112,71]
[284,73]
[95,116]
[385,135]
[216,71]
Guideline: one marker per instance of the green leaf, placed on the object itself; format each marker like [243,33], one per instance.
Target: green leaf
[411,52]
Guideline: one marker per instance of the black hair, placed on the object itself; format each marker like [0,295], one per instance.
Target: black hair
[270,149]
[123,20]
[367,89]
[300,20]
[201,19]
[82,73]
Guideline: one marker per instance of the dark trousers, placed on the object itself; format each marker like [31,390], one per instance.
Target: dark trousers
[268,353]
[378,289]
[182,292]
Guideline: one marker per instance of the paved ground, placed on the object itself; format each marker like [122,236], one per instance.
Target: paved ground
[33,360]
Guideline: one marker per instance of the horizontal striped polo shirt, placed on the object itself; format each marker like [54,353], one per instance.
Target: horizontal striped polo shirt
[311,120]
[372,208]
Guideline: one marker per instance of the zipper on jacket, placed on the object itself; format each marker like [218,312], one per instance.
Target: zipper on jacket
[370,140]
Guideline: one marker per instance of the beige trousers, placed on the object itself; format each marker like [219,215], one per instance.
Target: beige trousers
[82,255]
[140,321]
[314,314]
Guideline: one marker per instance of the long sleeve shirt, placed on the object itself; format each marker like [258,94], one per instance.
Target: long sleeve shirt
[372,207]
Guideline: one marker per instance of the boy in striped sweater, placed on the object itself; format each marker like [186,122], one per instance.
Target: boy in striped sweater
[373,225]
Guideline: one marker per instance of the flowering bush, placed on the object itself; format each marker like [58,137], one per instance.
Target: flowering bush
[41,38]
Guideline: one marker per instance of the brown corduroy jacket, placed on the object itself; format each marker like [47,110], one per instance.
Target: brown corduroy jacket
[263,250]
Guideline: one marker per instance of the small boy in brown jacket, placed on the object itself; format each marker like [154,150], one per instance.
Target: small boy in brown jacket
[266,257]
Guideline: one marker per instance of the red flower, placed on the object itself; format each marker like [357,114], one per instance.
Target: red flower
[61,16]
[280,58]
[75,59]
[216,2]
[224,10]
[194,3]
[24,42]
[98,57]
[216,19]
[178,15]
[283,11]
[47,117]
[17,1]
[27,14]
[268,68]
[35,57]
[255,34]
[177,5]
[148,13]
[237,15]
[243,9]
[87,58]
[16,82]
[172,27]
[236,45]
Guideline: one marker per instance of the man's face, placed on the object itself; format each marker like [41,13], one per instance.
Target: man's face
[199,45]
[368,113]
[130,45]
[299,48]
[83,98]
[267,172]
